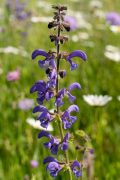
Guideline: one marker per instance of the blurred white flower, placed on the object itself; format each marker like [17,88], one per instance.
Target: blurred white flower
[13,50]
[99,13]
[118,97]
[97,100]
[96,4]
[9,49]
[36,124]
[79,36]
[112,53]
[46,6]
[115,29]
[36,19]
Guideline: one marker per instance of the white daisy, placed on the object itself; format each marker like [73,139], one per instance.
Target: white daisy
[13,50]
[36,19]
[112,53]
[97,100]
[36,124]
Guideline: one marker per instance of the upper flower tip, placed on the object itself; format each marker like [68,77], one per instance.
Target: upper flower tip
[38,52]
[78,53]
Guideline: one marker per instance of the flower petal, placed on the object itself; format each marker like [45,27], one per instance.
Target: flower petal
[49,159]
[78,53]
[38,52]
[44,133]
[73,108]
[39,109]
[73,86]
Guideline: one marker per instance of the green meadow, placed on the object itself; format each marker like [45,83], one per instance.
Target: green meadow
[99,75]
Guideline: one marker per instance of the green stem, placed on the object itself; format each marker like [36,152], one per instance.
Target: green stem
[66,152]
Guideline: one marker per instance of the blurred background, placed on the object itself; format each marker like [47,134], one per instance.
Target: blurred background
[95,29]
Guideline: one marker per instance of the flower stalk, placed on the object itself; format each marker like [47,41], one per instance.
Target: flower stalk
[50,89]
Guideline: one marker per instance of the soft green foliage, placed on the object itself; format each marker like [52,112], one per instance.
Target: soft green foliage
[18,141]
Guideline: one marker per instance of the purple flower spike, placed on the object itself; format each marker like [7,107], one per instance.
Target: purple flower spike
[64,145]
[53,168]
[39,52]
[67,119]
[52,144]
[76,169]
[76,53]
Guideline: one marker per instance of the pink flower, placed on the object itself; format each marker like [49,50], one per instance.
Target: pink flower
[25,104]
[72,21]
[34,163]
[13,75]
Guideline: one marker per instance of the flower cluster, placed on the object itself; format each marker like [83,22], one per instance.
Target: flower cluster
[47,90]
[18,8]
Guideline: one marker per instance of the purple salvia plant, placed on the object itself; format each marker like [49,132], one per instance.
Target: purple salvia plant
[50,89]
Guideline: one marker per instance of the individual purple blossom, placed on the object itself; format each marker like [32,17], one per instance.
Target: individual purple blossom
[59,102]
[26,104]
[53,166]
[44,117]
[72,21]
[70,88]
[52,76]
[64,145]
[34,163]
[49,60]
[76,169]
[76,53]
[52,144]
[113,18]
[44,93]
[59,97]
[13,75]
[49,159]
[67,119]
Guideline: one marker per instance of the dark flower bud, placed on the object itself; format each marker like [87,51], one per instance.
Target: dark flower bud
[66,26]
[77,147]
[48,70]
[62,8]
[53,38]
[62,73]
[55,7]
[52,24]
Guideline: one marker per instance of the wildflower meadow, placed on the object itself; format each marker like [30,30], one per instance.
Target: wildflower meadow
[59,89]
